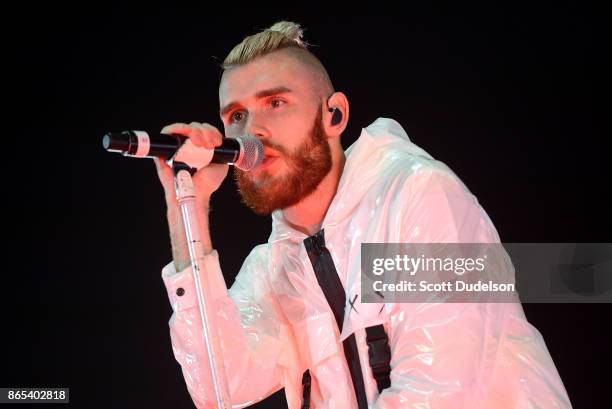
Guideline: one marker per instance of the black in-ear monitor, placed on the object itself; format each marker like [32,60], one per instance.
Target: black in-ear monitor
[336,116]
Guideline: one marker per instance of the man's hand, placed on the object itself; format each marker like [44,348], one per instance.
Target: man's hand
[208,179]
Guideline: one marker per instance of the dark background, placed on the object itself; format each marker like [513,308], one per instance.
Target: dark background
[504,96]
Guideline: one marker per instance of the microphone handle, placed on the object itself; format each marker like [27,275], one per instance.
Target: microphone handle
[228,152]
[164,146]
[143,145]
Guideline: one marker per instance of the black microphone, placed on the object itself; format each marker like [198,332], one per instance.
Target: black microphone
[244,152]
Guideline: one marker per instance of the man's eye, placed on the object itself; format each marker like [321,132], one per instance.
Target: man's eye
[236,117]
[275,103]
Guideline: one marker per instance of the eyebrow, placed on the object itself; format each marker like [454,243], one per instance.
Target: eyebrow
[259,95]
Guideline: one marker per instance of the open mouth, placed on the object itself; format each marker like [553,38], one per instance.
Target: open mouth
[270,156]
[268,160]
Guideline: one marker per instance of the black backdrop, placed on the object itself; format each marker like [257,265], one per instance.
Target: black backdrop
[505,96]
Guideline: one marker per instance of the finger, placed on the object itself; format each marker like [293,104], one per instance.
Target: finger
[164,172]
[179,128]
[215,135]
[198,137]
[205,135]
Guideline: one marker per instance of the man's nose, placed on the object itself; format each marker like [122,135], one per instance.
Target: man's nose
[255,126]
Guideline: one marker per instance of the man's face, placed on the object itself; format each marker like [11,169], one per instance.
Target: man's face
[274,99]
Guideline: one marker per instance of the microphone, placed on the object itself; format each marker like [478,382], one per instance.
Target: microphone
[244,152]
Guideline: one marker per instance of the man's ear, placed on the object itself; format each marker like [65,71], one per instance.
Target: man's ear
[336,114]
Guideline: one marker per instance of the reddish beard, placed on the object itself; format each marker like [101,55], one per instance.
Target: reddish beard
[308,165]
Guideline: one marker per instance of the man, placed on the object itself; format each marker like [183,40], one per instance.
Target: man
[276,323]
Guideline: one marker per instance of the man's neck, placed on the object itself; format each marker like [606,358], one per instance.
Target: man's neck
[307,215]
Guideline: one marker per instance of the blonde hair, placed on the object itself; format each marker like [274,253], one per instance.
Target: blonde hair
[283,34]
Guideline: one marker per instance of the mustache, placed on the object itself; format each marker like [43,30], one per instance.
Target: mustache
[274,146]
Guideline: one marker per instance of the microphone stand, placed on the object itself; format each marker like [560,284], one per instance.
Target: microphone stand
[245,152]
[185,195]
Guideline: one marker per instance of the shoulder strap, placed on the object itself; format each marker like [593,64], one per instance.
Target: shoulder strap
[306,390]
[329,281]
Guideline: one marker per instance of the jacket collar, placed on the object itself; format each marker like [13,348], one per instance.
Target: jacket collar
[366,159]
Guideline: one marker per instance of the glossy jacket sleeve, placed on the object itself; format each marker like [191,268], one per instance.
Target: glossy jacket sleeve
[250,333]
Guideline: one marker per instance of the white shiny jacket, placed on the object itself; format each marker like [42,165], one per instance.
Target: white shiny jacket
[275,322]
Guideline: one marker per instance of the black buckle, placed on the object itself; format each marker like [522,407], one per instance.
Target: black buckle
[379,354]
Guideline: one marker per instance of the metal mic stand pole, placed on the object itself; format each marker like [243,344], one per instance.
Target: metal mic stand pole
[185,195]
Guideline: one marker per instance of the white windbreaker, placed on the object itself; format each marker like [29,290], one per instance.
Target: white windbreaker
[274,322]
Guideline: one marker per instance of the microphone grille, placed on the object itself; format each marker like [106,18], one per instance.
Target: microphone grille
[251,153]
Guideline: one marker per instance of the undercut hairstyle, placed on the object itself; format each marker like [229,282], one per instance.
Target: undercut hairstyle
[283,35]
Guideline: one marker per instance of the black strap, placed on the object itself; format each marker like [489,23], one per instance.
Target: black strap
[329,281]
[306,390]
[380,355]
